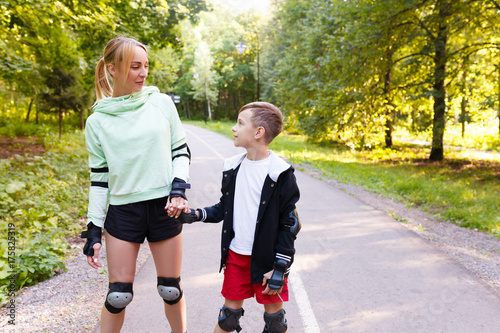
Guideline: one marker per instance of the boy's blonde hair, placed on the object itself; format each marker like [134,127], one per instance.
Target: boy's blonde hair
[119,52]
[268,116]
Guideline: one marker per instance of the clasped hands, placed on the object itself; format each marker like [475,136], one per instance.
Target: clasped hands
[175,206]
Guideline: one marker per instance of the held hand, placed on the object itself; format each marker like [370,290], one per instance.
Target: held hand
[93,261]
[177,205]
[269,291]
[193,216]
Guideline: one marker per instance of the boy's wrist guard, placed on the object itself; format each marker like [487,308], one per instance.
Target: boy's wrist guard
[191,217]
[93,235]
[277,280]
[179,187]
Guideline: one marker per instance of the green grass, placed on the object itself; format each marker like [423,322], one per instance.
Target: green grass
[462,189]
[480,135]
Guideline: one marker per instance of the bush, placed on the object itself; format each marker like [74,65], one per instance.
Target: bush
[45,199]
[15,129]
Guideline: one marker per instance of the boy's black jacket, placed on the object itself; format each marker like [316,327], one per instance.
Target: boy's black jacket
[276,215]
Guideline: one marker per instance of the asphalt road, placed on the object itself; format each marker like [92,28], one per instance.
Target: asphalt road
[356,269]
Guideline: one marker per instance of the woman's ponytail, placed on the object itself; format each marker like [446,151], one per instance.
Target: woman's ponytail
[102,86]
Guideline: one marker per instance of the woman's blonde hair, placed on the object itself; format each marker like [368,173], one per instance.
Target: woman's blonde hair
[119,52]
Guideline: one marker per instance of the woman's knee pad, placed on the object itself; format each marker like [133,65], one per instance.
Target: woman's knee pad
[276,322]
[229,319]
[170,289]
[119,296]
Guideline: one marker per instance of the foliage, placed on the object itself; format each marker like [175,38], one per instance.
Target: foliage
[163,67]
[349,71]
[212,70]
[64,93]
[46,43]
[463,189]
[45,198]
[14,129]
[343,71]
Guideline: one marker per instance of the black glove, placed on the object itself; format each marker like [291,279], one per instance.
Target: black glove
[277,280]
[179,188]
[93,235]
[191,217]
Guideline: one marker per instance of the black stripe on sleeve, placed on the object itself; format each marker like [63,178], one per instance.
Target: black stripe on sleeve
[180,147]
[99,184]
[99,170]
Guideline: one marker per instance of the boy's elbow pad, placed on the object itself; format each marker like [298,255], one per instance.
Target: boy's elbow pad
[295,227]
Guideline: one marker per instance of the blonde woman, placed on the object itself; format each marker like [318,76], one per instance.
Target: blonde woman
[139,169]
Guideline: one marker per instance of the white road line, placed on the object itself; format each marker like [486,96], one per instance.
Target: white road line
[306,312]
[206,144]
[305,309]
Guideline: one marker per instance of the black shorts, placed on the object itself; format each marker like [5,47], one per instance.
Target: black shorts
[135,221]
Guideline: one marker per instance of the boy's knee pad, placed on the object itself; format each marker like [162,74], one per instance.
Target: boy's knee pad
[119,296]
[170,289]
[229,319]
[276,322]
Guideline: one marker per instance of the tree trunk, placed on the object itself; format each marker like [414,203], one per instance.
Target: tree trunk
[36,113]
[440,59]
[463,104]
[82,119]
[387,88]
[217,109]
[230,102]
[498,100]
[29,110]
[207,104]
[463,114]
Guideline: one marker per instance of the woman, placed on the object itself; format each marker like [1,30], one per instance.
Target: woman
[139,163]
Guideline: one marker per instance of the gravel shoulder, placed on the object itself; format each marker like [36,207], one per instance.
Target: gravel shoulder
[71,301]
[68,302]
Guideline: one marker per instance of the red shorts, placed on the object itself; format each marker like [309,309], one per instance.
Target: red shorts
[238,286]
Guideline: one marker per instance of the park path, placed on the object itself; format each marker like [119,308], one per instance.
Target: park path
[356,269]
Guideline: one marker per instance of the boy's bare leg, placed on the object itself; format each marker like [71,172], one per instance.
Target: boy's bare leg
[167,255]
[121,258]
[234,305]
[273,307]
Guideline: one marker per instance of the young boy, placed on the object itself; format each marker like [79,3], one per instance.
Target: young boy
[259,193]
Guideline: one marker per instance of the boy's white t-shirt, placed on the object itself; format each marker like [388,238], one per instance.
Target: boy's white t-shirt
[249,182]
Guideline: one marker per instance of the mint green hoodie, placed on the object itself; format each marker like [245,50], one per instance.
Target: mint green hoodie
[133,142]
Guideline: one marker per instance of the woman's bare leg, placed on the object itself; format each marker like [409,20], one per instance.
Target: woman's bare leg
[167,255]
[121,258]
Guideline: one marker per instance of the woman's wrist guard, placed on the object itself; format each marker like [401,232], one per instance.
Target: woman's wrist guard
[179,187]
[93,235]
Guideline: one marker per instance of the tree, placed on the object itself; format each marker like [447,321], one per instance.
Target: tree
[40,35]
[209,51]
[348,70]
[205,79]
[64,94]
